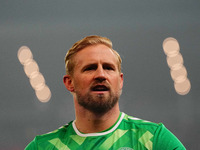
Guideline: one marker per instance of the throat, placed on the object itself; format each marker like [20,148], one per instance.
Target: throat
[99,124]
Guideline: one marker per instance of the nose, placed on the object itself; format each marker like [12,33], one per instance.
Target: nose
[100,74]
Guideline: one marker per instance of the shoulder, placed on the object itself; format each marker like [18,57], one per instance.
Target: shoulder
[58,133]
[157,134]
[44,139]
[141,123]
[143,127]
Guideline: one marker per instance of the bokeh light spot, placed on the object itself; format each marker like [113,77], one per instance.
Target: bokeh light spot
[30,68]
[43,94]
[178,73]
[175,61]
[37,80]
[24,54]
[182,88]
[171,46]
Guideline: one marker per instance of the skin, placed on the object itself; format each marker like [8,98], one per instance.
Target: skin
[95,66]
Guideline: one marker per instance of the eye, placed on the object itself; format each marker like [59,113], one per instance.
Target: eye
[90,67]
[108,67]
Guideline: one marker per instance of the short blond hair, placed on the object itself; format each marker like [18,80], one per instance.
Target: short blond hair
[85,42]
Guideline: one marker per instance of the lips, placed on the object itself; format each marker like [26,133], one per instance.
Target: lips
[100,88]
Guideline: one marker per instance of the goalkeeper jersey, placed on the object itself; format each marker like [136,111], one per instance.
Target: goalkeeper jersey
[128,133]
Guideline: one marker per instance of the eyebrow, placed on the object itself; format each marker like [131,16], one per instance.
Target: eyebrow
[109,65]
[94,65]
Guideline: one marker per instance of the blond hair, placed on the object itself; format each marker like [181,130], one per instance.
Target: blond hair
[85,42]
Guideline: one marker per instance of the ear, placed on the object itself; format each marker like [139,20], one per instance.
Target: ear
[121,80]
[67,80]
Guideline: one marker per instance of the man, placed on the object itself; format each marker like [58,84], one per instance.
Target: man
[94,78]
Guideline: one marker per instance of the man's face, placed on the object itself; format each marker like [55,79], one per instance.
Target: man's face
[96,80]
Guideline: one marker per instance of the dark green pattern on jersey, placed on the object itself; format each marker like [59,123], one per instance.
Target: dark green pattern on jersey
[128,133]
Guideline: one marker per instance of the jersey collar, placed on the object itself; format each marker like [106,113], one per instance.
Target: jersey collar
[98,134]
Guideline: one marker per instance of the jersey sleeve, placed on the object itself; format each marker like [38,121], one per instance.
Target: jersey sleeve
[165,140]
[32,145]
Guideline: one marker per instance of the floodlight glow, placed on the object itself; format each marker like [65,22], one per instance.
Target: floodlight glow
[177,69]
[30,68]
[24,55]
[175,61]
[183,87]
[171,46]
[37,80]
[178,73]
[43,94]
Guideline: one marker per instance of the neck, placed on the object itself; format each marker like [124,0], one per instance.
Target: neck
[89,122]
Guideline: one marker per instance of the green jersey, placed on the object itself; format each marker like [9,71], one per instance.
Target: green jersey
[128,133]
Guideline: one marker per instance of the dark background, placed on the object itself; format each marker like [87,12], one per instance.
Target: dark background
[137,30]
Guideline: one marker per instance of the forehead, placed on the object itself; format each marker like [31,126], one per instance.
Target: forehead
[94,54]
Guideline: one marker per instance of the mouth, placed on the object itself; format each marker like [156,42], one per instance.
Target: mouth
[100,88]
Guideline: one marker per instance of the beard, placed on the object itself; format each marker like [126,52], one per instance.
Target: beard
[100,103]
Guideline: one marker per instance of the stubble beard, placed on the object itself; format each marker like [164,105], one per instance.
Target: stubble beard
[100,103]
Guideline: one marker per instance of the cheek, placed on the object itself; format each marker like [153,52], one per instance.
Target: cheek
[116,83]
[81,84]
[120,83]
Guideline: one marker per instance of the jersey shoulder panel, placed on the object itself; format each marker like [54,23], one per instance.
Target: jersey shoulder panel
[137,122]
[58,133]
[153,135]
